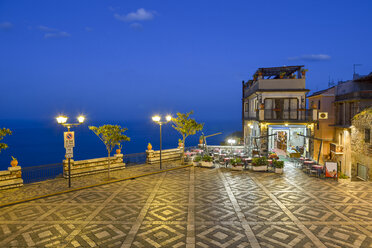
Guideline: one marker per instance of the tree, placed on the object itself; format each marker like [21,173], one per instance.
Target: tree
[111,135]
[4,132]
[186,126]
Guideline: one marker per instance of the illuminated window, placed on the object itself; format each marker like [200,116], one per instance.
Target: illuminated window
[367,135]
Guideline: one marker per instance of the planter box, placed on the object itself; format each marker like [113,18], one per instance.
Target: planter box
[341,180]
[206,164]
[260,168]
[196,163]
[279,170]
[237,167]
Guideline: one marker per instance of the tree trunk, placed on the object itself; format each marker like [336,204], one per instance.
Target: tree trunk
[183,151]
[108,168]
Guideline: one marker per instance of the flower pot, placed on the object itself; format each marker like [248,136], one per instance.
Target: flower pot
[237,167]
[279,170]
[260,168]
[195,163]
[14,163]
[118,151]
[149,147]
[206,164]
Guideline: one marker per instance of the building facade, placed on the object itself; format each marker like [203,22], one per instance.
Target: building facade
[274,114]
[351,97]
[361,145]
[324,130]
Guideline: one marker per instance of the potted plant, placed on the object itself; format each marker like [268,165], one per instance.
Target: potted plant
[278,165]
[273,156]
[120,146]
[14,162]
[207,161]
[303,72]
[259,164]
[149,147]
[343,178]
[180,144]
[201,139]
[237,164]
[197,160]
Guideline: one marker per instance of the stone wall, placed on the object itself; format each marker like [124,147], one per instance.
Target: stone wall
[11,178]
[361,151]
[93,166]
[153,157]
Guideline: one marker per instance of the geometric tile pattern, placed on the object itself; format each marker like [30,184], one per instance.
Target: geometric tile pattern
[221,236]
[198,207]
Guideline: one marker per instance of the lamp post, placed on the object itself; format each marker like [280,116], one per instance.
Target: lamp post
[69,139]
[231,142]
[157,119]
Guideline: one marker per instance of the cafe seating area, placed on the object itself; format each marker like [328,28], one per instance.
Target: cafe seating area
[309,166]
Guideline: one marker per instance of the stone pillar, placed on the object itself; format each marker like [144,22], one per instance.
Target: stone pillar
[149,155]
[118,158]
[264,140]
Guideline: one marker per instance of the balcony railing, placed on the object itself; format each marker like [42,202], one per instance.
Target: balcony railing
[278,114]
[336,148]
[283,115]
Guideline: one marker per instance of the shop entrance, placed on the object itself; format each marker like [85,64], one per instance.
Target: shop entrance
[284,140]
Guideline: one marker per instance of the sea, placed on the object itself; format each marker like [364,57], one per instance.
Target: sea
[40,142]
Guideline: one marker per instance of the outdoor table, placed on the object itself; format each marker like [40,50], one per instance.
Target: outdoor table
[319,168]
[308,164]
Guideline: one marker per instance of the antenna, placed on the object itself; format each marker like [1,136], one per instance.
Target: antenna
[354,68]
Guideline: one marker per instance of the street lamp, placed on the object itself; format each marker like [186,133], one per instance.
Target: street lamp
[69,139]
[157,119]
[231,142]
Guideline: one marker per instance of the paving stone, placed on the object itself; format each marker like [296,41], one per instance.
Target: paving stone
[196,207]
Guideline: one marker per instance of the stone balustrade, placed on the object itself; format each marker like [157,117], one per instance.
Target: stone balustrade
[153,157]
[93,166]
[11,178]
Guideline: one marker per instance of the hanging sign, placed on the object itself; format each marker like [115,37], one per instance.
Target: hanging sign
[69,138]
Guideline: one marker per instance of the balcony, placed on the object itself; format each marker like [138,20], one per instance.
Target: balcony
[336,149]
[278,115]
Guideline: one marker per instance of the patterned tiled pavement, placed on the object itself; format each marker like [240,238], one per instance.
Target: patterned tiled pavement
[196,207]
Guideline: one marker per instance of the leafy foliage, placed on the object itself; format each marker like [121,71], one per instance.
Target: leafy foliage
[185,125]
[197,158]
[236,161]
[110,135]
[4,132]
[259,161]
[278,164]
[207,158]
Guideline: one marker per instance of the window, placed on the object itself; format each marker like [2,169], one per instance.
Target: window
[281,108]
[246,107]
[319,104]
[367,135]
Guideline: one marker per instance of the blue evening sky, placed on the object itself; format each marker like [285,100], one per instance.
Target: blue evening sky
[130,59]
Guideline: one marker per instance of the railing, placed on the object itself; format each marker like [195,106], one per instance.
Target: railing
[41,172]
[336,149]
[134,158]
[292,115]
[50,171]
